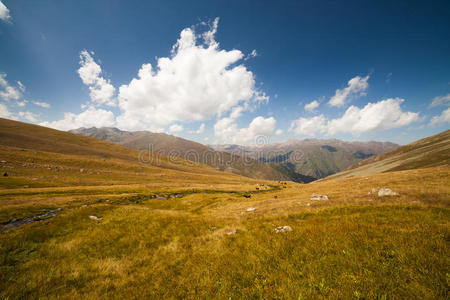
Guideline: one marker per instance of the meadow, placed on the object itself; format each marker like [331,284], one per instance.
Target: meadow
[205,244]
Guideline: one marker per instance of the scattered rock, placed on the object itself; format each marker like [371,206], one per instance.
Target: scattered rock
[308,204]
[233,231]
[213,227]
[81,170]
[5,174]
[318,197]
[386,192]
[95,218]
[251,209]
[283,229]
[275,196]
[247,196]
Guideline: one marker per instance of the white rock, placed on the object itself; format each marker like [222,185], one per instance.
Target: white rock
[233,231]
[318,197]
[386,192]
[283,229]
[251,209]
[95,218]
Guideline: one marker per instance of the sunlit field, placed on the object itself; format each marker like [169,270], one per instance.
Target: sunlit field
[203,243]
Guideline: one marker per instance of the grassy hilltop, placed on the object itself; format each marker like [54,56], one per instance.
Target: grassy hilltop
[169,228]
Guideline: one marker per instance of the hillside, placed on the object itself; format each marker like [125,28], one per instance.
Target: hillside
[425,153]
[178,147]
[312,157]
[37,156]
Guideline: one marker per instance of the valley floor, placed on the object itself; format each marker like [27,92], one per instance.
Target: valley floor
[138,241]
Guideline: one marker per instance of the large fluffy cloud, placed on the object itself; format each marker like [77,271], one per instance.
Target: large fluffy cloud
[227,130]
[91,117]
[382,115]
[197,82]
[309,126]
[4,13]
[101,90]
[443,118]
[357,86]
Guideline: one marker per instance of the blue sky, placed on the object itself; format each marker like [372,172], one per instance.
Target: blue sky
[244,69]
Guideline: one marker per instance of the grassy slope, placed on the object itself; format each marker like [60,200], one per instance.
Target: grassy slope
[354,245]
[428,152]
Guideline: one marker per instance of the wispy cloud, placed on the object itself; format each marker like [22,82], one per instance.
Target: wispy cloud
[41,104]
[443,118]
[440,100]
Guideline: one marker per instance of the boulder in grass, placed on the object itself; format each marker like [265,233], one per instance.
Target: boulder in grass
[283,229]
[318,197]
[386,192]
[250,209]
[95,218]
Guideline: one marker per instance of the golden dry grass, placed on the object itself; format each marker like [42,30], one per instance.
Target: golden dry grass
[354,245]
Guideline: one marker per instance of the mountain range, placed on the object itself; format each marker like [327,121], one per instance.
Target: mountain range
[297,160]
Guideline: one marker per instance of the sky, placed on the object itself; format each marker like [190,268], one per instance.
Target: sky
[241,72]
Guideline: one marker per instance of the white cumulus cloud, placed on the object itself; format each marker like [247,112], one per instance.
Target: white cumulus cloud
[443,118]
[101,90]
[382,115]
[309,126]
[311,107]
[91,117]
[227,130]
[356,87]
[197,82]
[4,13]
